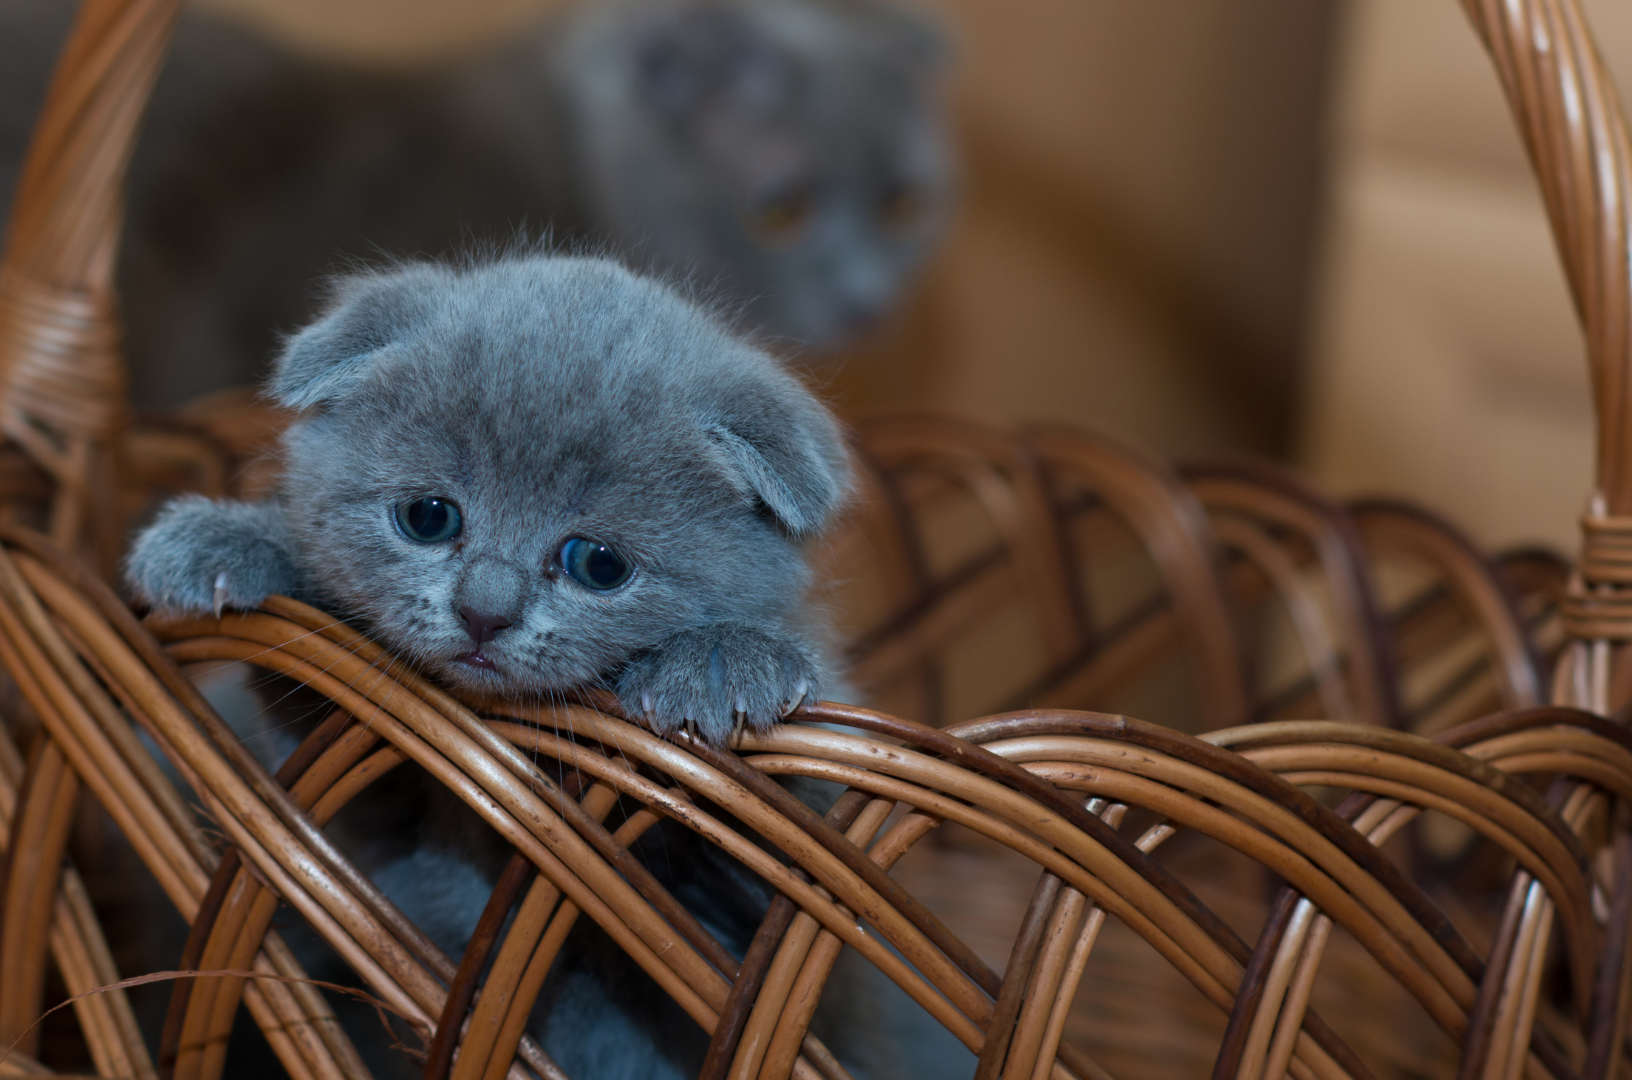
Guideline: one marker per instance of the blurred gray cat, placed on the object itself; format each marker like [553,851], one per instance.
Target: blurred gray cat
[792,153]
[528,476]
[534,475]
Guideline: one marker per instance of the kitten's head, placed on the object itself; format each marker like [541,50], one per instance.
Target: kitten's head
[794,150]
[522,473]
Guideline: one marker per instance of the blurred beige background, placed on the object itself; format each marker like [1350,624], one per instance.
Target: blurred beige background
[1216,225]
[1446,362]
[1135,240]
[1134,253]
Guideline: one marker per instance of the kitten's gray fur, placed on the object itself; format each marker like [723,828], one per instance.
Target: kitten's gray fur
[655,126]
[548,398]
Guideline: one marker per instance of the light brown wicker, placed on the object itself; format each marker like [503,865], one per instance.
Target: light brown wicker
[967,540]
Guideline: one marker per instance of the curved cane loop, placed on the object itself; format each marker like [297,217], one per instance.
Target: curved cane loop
[1050,786]
[86,701]
[1246,495]
[77,946]
[1172,526]
[1473,581]
[1041,524]
[38,843]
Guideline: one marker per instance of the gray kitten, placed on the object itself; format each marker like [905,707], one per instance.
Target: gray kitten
[528,476]
[796,147]
[532,475]
[791,153]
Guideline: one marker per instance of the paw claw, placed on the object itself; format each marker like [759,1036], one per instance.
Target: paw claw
[221,594]
[716,681]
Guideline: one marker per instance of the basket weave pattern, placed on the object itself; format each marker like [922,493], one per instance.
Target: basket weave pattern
[1237,785]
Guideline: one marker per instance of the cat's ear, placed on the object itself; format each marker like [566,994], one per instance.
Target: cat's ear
[917,41]
[782,447]
[368,314]
[704,56]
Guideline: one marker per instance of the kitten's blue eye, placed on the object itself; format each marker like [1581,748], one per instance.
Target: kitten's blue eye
[593,564]
[430,521]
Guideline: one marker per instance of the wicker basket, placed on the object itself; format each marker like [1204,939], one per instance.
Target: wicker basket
[1032,572]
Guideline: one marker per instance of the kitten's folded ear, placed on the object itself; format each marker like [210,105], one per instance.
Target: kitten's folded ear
[782,446]
[367,315]
[919,43]
[697,56]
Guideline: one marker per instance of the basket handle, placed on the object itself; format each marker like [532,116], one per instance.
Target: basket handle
[63,387]
[1570,118]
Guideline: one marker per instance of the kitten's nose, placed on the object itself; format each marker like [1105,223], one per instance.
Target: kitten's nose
[489,597]
[481,626]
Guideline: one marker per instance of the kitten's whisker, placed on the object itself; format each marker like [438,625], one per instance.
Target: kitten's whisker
[381,674]
[617,743]
[550,695]
[301,637]
[272,707]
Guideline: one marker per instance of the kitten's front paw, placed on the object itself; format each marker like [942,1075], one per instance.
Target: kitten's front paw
[206,554]
[717,677]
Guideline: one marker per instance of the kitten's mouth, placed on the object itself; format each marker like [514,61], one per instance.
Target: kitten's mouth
[478,661]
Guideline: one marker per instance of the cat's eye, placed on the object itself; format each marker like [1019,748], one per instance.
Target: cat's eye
[901,204]
[781,215]
[429,520]
[593,565]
